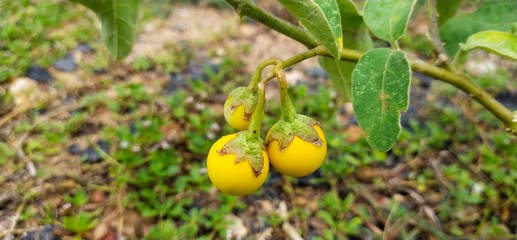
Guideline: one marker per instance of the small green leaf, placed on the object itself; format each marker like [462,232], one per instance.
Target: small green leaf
[350,17]
[347,202]
[502,43]
[81,222]
[492,15]
[322,20]
[446,9]
[355,36]
[358,39]
[388,19]
[380,91]
[78,199]
[118,18]
[326,217]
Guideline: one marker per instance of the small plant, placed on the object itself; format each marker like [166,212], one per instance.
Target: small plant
[334,212]
[366,52]
[81,222]
[78,199]
[377,80]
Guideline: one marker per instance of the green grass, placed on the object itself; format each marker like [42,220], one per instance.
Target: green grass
[156,163]
[38,32]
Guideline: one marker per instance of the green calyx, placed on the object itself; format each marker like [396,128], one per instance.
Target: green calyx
[302,127]
[244,96]
[246,147]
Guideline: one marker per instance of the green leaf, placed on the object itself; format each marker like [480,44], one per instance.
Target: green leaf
[340,74]
[350,17]
[322,20]
[380,91]
[502,43]
[388,19]
[326,217]
[81,222]
[446,9]
[347,202]
[492,15]
[355,36]
[118,19]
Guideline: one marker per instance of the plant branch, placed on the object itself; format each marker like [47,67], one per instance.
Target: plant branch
[260,68]
[247,8]
[506,116]
[477,93]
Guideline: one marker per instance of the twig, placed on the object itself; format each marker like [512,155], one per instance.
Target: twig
[25,230]
[291,232]
[266,234]
[28,106]
[14,219]
[19,151]
[435,166]
[112,161]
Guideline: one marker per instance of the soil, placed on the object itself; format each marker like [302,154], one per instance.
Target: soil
[78,163]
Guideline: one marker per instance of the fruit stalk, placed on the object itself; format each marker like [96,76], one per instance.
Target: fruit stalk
[258,115]
[260,68]
[288,111]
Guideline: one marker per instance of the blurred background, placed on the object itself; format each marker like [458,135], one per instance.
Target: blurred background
[91,148]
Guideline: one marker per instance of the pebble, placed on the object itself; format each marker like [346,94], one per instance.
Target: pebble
[197,71]
[74,149]
[176,82]
[405,117]
[39,74]
[306,181]
[23,90]
[508,99]
[132,128]
[104,145]
[272,185]
[317,72]
[89,155]
[47,233]
[99,71]
[424,80]
[66,63]
[352,120]
[41,111]
[85,48]
[214,66]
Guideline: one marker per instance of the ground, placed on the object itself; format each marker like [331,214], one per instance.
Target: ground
[94,149]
